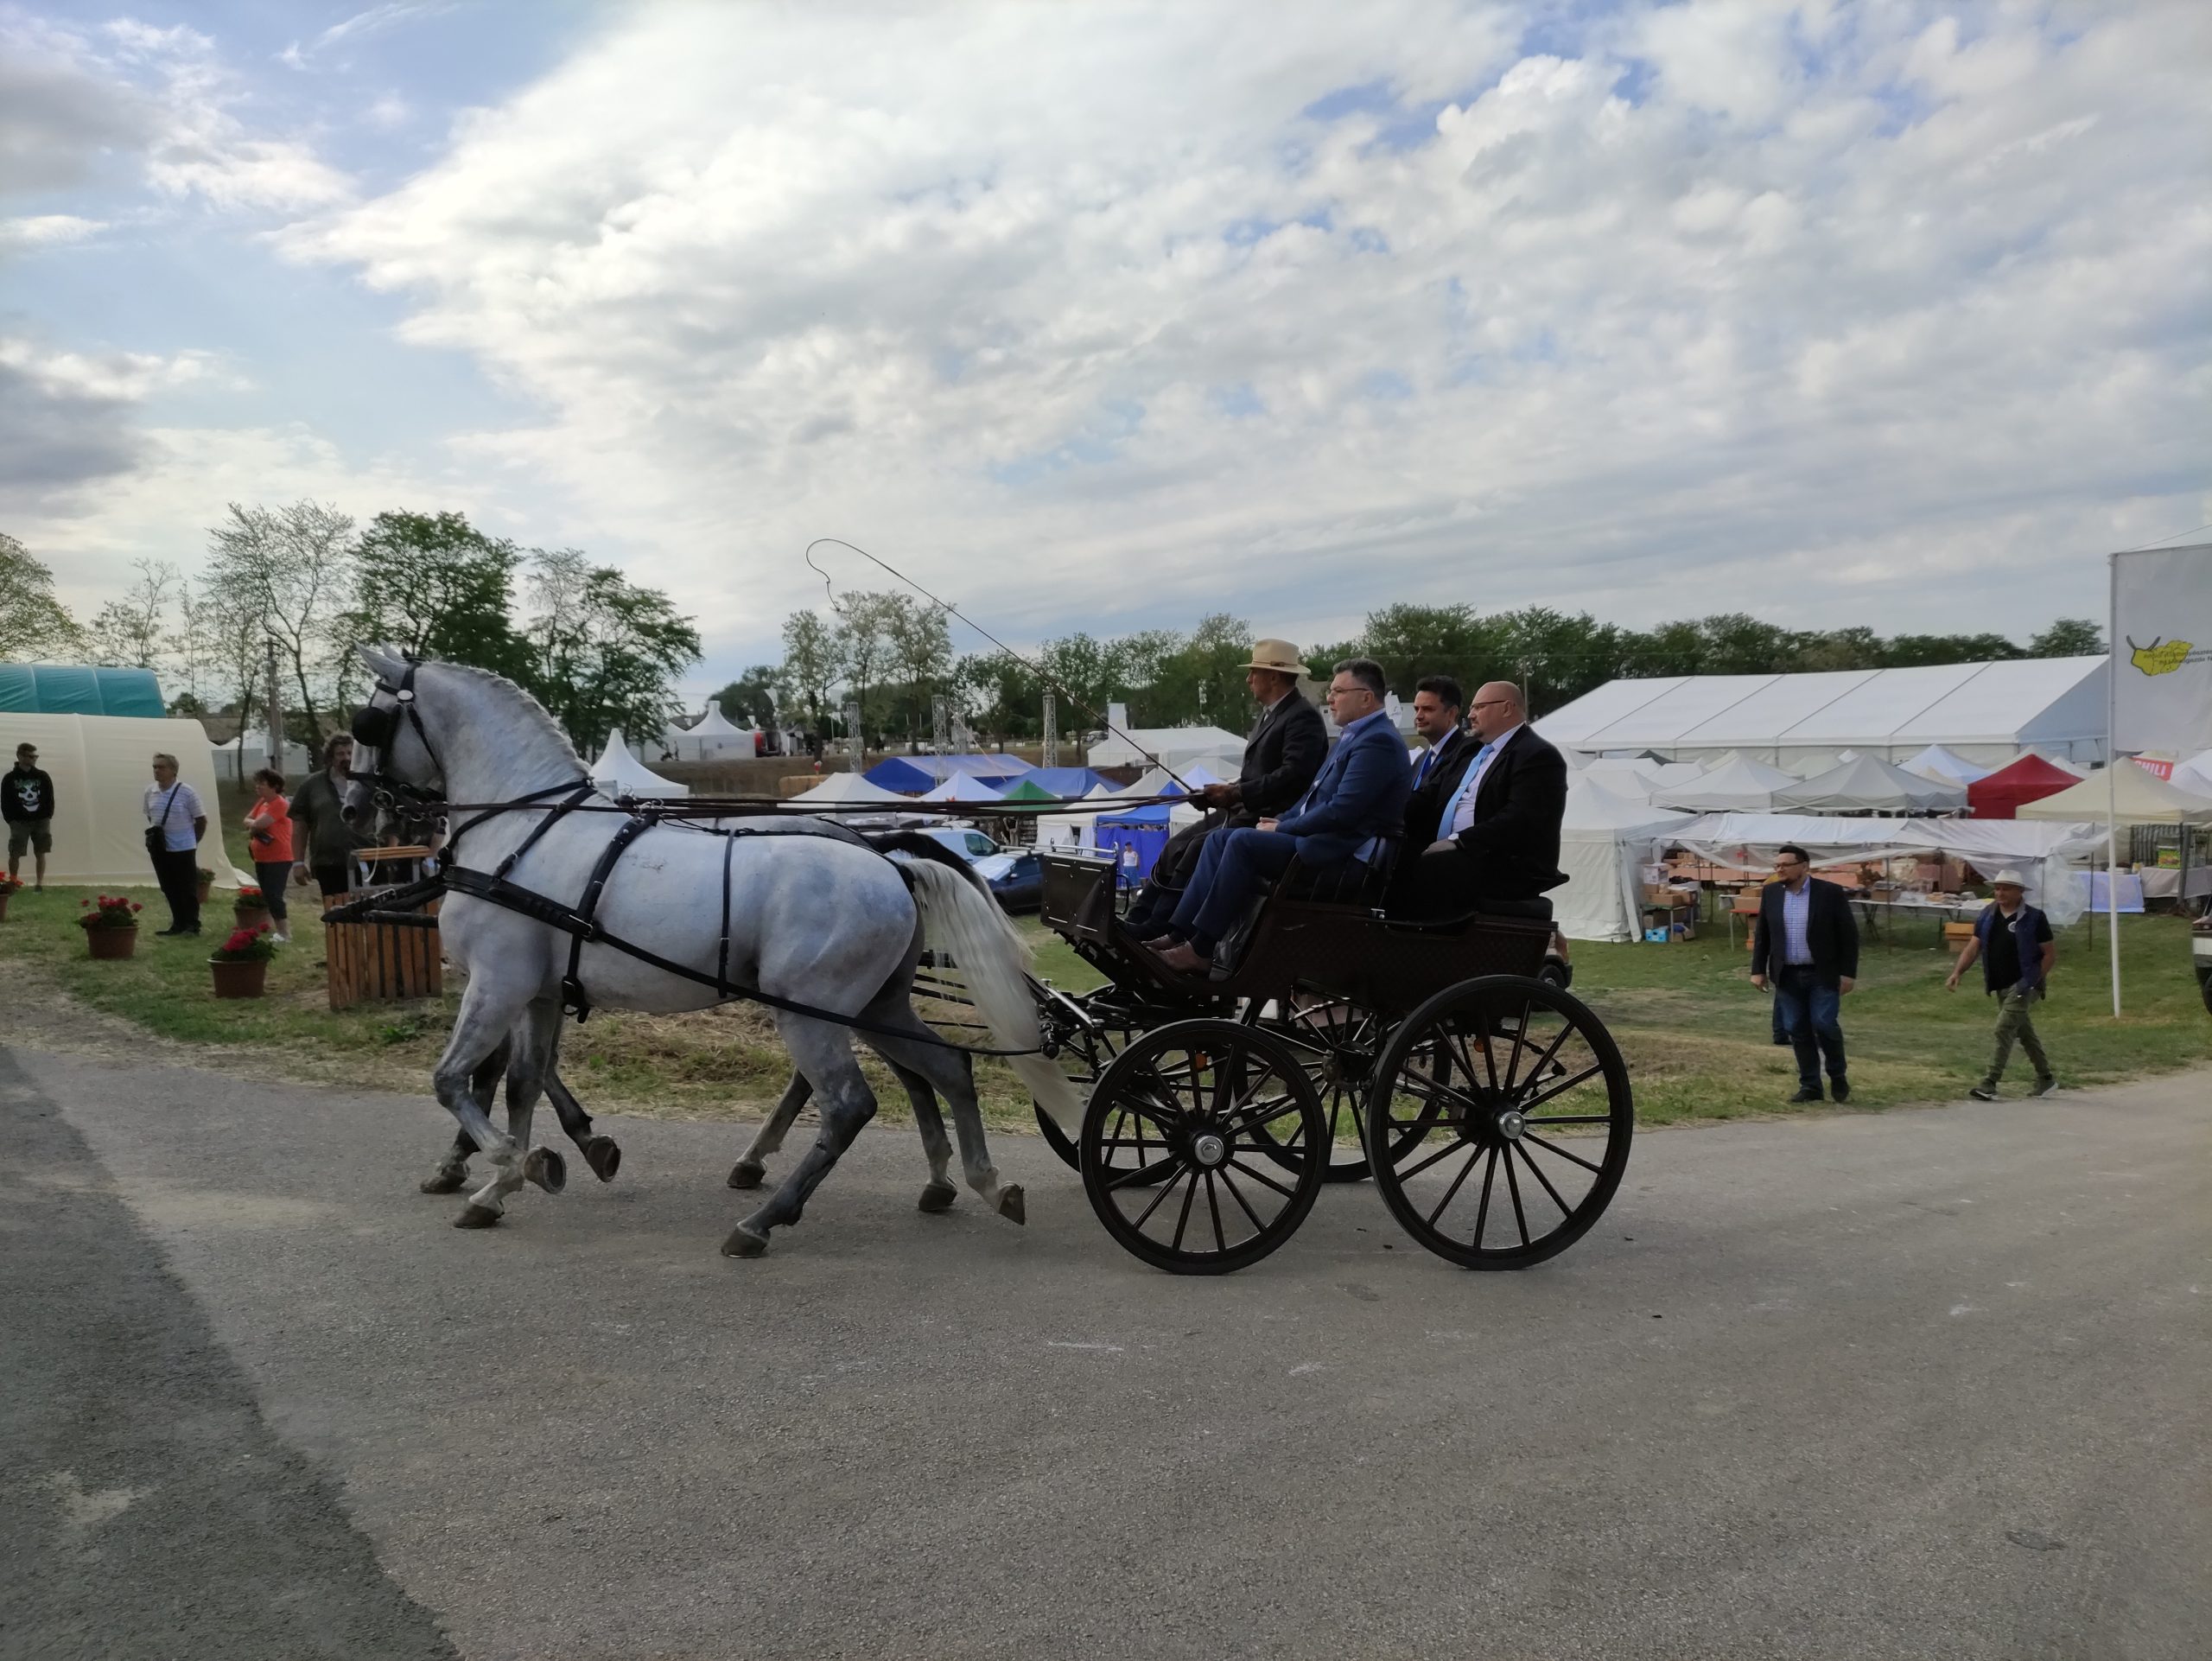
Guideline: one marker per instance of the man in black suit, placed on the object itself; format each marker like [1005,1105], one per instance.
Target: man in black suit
[1439,711]
[1281,758]
[1496,836]
[1806,945]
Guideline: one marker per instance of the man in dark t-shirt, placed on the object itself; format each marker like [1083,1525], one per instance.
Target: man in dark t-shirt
[27,805]
[2014,942]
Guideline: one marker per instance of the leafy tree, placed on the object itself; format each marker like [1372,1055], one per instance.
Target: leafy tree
[751,698]
[919,642]
[809,670]
[997,697]
[33,623]
[2069,637]
[133,632]
[603,652]
[1911,651]
[865,622]
[434,585]
[291,567]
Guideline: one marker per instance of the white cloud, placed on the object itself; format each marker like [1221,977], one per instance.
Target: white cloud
[45,230]
[374,21]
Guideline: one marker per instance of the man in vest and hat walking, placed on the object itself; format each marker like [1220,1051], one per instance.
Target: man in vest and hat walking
[2013,940]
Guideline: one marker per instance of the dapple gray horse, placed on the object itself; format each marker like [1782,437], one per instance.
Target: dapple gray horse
[813,920]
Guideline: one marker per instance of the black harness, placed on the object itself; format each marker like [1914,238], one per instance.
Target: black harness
[400,906]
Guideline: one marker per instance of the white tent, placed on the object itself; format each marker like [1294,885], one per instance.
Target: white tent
[2138,795]
[618,772]
[101,766]
[1936,762]
[1738,785]
[1862,784]
[2195,775]
[1603,840]
[2046,853]
[850,788]
[1982,712]
[713,737]
[962,788]
[1179,748]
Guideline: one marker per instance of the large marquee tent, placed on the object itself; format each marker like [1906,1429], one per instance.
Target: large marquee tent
[101,766]
[1983,712]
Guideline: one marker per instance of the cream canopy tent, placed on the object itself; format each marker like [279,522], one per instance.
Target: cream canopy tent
[2046,853]
[713,736]
[1865,785]
[618,772]
[849,788]
[1736,784]
[2132,795]
[962,788]
[1938,763]
[101,766]
[1603,842]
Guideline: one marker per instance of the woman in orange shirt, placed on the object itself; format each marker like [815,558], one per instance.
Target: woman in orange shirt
[269,833]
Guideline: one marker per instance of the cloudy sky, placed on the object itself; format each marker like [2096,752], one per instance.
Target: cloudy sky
[1104,316]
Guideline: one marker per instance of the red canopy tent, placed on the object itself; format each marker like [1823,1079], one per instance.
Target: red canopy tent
[2005,792]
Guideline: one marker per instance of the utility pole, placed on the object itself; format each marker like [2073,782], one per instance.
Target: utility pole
[275,712]
[1052,748]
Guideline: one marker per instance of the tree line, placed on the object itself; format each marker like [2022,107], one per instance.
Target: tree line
[597,650]
[893,657]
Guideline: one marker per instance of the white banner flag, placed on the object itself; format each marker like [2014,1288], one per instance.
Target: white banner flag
[2162,649]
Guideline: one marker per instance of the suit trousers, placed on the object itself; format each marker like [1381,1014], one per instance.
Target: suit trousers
[178,872]
[1233,866]
[1813,1014]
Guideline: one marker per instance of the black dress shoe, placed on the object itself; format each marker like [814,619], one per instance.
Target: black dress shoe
[171,929]
[1805,1095]
[1839,1090]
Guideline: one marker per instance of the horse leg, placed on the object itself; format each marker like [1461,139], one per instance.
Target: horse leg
[953,1074]
[825,1056]
[938,1194]
[451,1174]
[751,1165]
[485,1024]
[526,1076]
[600,1152]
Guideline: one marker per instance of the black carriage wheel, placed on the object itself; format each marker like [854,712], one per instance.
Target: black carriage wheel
[1499,1124]
[1083,1056]
[1193,1101]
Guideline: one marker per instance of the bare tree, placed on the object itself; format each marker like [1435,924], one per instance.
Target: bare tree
[134,632]
[292,566]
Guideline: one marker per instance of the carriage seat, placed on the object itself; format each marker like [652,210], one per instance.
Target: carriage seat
[1538,910]
[1359,883]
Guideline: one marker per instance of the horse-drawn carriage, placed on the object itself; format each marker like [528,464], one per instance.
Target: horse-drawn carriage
[1343,1044]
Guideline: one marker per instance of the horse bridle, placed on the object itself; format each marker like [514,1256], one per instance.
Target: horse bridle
[375,726]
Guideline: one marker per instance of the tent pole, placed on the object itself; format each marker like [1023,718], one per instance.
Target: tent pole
[2112,779]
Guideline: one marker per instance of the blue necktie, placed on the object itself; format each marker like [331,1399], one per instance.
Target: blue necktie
[1451,807]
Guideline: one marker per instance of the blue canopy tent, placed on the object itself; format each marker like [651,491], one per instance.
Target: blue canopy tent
[914,774]
[1134,838]
[1067,783]
[896,772]
[49,689]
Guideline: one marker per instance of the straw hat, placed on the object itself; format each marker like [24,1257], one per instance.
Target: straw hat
[1280,656]
[2008,879]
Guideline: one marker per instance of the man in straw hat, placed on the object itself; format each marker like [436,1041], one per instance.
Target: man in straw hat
[1284,753]
[2013,940]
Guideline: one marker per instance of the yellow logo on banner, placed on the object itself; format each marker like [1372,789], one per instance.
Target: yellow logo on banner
[2159,659]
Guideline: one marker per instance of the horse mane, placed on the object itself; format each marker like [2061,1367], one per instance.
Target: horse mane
[522,695]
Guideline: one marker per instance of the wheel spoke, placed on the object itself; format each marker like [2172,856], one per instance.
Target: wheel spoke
[1213,1205]
[1166,1185]
[1563,1086]
[1554,1148]
[1513,1186]
[1443,1153]
[1262,1178]
[1237,1194]
[1482,1211]
[1520,1043]
[1573,1118]
[1184,1221]
[1454,1188]
[1565,1209]
[1565,1032]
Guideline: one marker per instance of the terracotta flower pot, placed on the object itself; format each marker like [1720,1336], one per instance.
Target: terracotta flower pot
[239,979]
[112,942]
[250,916]
[206,887]
[4,899]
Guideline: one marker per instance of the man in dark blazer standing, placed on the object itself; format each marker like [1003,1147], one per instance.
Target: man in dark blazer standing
[1439,715]
[1280,759]
[1806,946]
[1497,834]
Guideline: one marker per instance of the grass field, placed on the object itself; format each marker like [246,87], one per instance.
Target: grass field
[1695,1034]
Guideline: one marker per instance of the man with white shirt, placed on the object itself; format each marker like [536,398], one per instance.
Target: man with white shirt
[1497,838]
[175,821]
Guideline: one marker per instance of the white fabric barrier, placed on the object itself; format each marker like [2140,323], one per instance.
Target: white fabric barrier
[101,767]
[2046,852]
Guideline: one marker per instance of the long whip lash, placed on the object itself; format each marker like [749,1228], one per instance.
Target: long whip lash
[952,610]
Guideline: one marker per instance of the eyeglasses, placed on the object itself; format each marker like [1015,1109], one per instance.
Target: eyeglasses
[1490,703]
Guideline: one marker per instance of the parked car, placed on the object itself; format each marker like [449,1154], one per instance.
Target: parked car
[1014,876]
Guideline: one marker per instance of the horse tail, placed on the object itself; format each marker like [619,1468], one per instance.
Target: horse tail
[965,922]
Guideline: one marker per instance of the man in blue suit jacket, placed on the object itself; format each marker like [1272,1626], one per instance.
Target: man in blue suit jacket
[1356,801]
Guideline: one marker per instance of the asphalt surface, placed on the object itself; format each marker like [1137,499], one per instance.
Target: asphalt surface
[1929,1382]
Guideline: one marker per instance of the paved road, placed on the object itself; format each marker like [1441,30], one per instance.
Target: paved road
[1929,1383]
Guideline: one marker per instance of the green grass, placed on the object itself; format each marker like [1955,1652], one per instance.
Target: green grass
[1694,1032]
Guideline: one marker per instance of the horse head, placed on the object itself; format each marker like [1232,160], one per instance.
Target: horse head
[393,757]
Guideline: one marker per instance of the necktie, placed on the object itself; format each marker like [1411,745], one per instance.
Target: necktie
[1462,813]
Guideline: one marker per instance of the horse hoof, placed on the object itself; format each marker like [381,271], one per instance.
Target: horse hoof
[940,1196]
[443,1181]
[546,1168]
[476,1216]
[743,1243]
[603,1155]
[1010,1206]
[747,1174]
